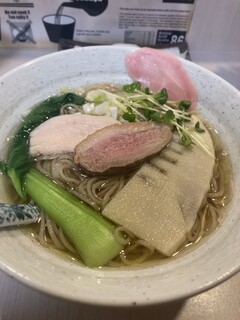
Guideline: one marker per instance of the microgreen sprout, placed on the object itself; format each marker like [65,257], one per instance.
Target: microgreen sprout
[135,103]
[184,105]
[186,139]
[129,88]
[156,116]
[129,115]
[161,97]
[198,128]
[146,90]
[168,116]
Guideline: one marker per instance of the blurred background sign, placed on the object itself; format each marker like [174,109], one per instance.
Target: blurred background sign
[141,22]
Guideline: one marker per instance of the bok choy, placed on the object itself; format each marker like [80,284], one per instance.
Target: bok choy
[19,161]
[91,234]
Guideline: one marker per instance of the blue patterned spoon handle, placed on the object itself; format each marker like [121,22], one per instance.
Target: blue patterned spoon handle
[16,214]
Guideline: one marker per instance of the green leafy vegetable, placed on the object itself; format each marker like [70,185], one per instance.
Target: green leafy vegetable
[180,122]
[186,139]
[198,128]
[91,234]
[146,90]
[184,105]
[156,116]
[132,87]
[161,96]
[19,161]
[129,115]
[3,168]
[148,113]
[168,116]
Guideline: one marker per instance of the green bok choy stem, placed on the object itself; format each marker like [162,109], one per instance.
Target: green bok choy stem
[91,234]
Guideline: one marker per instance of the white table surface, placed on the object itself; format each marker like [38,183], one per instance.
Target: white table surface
[223,302]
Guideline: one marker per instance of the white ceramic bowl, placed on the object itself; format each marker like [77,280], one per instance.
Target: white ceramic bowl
[213,261]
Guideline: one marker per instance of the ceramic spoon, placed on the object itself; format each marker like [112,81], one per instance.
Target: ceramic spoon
[18,214]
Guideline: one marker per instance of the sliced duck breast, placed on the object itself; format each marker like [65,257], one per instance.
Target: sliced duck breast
[119,146]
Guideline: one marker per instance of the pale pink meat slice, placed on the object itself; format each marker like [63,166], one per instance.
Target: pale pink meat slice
[62,133]
[119,146]
[159,69]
